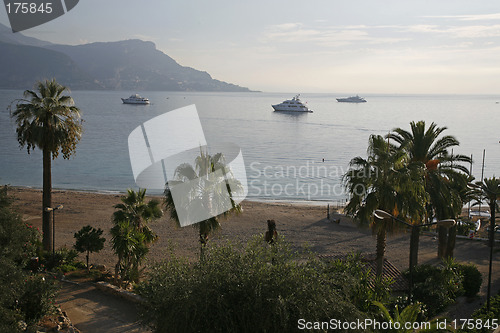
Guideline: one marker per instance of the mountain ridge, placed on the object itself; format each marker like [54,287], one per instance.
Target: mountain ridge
[121,65]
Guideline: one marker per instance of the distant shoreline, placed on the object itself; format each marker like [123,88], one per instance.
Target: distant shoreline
[297,202]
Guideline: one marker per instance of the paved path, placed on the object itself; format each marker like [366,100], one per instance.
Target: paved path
[93,311]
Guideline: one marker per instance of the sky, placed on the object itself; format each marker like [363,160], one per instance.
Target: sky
[314,46]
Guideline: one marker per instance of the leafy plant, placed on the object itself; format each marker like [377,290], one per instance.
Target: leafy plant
[131,234]
[250,288]
[207,185]
[472,279]
[23,296]
[436,287]
[486,318]
[19,241]
[465,227]
[399,320]
[37,299]
[89,239]
[63,256]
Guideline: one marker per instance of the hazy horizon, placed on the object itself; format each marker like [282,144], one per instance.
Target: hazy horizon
[355,47]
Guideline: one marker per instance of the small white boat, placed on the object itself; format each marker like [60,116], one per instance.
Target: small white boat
[352,99]
[292,105]
[135,99]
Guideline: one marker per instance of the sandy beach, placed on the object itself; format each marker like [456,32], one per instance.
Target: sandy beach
[301,225]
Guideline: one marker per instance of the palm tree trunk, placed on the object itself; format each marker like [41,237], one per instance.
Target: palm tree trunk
[88,267]
[203,243]
[491,242]
[450,244]
[135,272]
[381,234]
[414,241]
[117,271]
[442,240]
[47,200]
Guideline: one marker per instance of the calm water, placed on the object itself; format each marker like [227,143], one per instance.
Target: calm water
[283,152]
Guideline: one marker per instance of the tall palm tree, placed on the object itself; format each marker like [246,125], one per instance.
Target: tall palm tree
[47,119]
[208,190]
[489,189]
[383,181]
[131,234]
[444,176]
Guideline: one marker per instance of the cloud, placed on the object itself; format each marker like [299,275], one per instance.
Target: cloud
[468,31]
[329,36]
[474,17]
[144,37]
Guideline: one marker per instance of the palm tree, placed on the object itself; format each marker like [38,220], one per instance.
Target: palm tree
[209,184]
[383,181]
[131,234]
[48,120]
[444,177]
[125,242]
[400,320]
[489,189]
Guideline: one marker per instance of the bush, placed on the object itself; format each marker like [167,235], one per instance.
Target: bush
[472,279]
[465,227]
[89,239]
[66,268]
[37,299]
[254,288]
[23,296]
[353,280]
[485,317]
[18,241]
[436,287]
[63,256]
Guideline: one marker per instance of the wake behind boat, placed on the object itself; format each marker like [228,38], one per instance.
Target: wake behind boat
[352,99]
[135,99]
[292,105]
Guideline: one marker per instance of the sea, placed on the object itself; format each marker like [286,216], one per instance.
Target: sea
[291,157]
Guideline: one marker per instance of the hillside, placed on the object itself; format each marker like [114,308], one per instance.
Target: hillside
[122,65]
[22,65]
[138,65]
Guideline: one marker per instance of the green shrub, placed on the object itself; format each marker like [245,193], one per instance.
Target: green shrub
[465,227]
[66,268]
[484,317]
[472,279]
[18,241]
[89,239]
[436,287]
[37,299]
[252,288]
[353,280]
[23,296]
[63,256]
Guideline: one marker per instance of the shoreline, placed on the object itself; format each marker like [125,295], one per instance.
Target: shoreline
[296,202]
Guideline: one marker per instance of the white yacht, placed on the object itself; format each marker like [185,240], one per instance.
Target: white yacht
[135,99]
[352,99]
[292,105]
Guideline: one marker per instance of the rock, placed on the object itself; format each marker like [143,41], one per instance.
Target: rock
[101,268]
